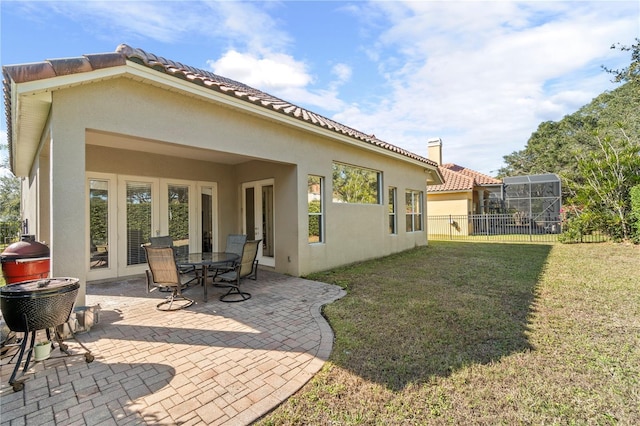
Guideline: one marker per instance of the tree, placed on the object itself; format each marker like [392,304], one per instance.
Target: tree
[596,152]
[9,192]
[608,174]
[553,147]
[9,198]
[632,72]
[353,184]
[635,210]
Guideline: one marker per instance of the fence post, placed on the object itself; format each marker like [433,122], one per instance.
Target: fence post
[486,227]
[450,226]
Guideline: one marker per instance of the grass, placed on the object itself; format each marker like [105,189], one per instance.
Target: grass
[481,333]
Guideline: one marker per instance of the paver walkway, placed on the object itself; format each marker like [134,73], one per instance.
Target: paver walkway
[213,363]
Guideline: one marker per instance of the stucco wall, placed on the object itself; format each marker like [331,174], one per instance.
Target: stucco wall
[289,155]
[454,203]
[355,232]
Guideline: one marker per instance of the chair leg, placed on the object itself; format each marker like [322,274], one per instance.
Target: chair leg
[254,271]
[148,274]
[175,297]
[235,295]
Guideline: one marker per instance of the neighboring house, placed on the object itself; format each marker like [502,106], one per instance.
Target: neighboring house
[116,147]
[463,192]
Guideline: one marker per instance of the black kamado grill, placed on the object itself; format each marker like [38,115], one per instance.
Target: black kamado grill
[35,305]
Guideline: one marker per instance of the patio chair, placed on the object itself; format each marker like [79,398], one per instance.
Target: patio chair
[235,244]
[163,273]
[167,241]
[246,267]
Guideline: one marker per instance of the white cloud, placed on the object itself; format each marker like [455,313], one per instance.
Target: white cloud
[272,73]
[480,74]
[170,21]
[343,72]
[280,75]
[483,75]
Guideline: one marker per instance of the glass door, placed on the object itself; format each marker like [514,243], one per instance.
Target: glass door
[139,216]
[178,216]
[102,232]
[258,217]
[123,212]
[98,224]
[207,226]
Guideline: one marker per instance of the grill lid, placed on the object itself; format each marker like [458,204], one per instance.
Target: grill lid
[40,287]
[28,247]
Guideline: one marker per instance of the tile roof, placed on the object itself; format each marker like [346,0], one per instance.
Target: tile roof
[458,178]
[480,179]
[87,63]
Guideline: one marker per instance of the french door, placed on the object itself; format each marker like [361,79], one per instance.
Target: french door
[258,217]
[125,211]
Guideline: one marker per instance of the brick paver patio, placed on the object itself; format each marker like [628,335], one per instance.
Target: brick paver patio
[213,363]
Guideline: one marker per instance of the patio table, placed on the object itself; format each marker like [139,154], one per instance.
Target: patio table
[206,261]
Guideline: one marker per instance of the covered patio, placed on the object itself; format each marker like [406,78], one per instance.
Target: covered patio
[213,363]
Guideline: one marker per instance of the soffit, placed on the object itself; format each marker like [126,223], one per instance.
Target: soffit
[113,140]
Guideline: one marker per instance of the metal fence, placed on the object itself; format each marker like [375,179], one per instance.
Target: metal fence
[502,227]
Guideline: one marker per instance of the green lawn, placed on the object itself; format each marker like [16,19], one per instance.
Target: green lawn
[481,333]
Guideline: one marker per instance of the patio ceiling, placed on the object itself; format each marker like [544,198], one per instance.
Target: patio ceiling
[132,143]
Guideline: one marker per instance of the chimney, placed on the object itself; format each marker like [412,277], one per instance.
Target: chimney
[435,150]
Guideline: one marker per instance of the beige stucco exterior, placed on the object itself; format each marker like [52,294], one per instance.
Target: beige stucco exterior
[456,206]
[450,203]
[141,124]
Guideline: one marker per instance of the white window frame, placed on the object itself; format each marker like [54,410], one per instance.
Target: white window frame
[415,216]
[393,210]
[320,214]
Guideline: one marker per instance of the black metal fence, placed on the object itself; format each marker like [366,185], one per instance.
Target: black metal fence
[502,227]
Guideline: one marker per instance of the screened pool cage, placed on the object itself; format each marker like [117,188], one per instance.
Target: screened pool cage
[528,205]
[534,200]
[523,205]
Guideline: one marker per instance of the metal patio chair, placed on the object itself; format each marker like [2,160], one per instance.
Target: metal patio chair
[163,273]
[245,267]
[235,244]
[167,241]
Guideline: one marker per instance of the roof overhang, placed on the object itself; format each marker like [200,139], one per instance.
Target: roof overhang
[30,106]
[434,177]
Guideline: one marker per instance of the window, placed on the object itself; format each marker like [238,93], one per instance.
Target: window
[99,223]
[414,210]
[355,185]
[315,189]
[393,222]
[178,203]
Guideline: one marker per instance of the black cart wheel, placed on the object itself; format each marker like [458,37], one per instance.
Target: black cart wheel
[89,358]
[18,386]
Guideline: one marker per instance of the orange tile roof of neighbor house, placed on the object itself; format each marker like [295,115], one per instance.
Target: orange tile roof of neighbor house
[91,62]
[458,178]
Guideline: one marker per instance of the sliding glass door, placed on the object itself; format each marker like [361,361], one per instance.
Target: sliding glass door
[102,235]
[125,211]
[139,215]
[258,219]
[178,215]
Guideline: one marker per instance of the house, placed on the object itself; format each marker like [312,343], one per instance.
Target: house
[463,192]
[113,148]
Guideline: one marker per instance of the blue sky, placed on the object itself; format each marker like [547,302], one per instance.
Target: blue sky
[481,75]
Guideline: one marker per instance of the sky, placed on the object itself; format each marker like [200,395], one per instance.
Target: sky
[480,75]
